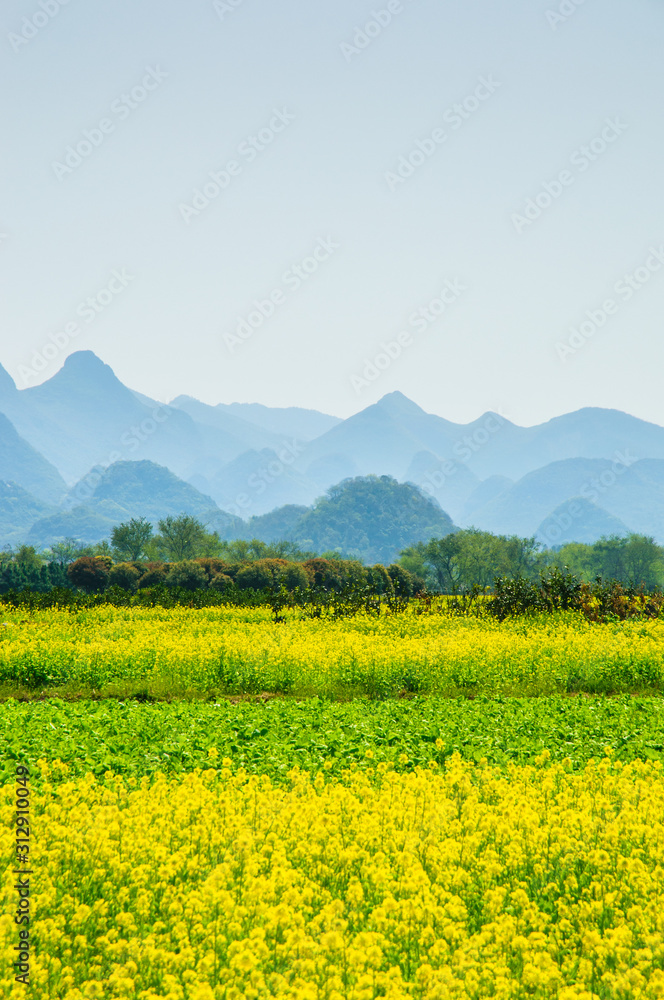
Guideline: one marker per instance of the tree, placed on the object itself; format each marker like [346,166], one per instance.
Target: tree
[402,580]
[65,552]
[181,537]
[90,573]
[27,559]
[441,555]
[293,577]
[124,575]
[643,561]
[255,576]
[610,556]
[188,574]
[129,539]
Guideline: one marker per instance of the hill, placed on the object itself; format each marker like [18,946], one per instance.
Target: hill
[18,512]
[22,464]
[579,520]
[371,518]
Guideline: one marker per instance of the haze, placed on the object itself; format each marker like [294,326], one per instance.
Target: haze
[432,205]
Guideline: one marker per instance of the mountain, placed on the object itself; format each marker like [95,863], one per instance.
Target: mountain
[579,520]
[450,482]
[145,489]
[251,459]
[386,436]
[22,464]
[371,518]
[85,524]
[278,525]
[258,481]
[380,440]
[632,493]
[18,511]
[238,434]
[84,416]
[274,422]
[487,491]
[108,497]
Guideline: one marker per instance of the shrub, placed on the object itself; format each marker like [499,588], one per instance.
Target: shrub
[402,580]
[125,576]
[324,573]
[221,581]
[379,580]
[154,574]
[293,577]
[188,575]
[255,576]
[90,573]
[213,567]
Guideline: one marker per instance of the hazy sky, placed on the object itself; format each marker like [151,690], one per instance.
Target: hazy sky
[464,181]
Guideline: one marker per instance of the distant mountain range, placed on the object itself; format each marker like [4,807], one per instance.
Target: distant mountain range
[82,452]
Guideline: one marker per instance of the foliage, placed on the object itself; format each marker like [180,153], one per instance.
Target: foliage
[125,576]
[137,738]
[371,518]
[129,540]
[188,575]
[470,558]
[441,882]
[333,650]
[90,573]
[180,538]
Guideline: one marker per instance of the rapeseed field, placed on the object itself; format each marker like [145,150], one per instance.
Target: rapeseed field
[182,651]
[495,831]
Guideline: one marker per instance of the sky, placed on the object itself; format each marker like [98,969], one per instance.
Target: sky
[315,204]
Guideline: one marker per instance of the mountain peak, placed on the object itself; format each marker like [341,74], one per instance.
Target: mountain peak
[396,402]
[84,362]
[83,372]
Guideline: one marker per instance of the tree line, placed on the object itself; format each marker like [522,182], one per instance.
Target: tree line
[182,554]
[472,558]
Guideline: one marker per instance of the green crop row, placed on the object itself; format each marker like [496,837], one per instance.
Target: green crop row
[137,739]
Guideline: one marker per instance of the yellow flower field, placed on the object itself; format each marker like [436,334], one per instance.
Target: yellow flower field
[182,650]
[460,882]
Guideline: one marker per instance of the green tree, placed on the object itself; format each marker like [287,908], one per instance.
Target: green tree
[64,552]
[27,558]
[441,561]
[609,554]
[124,575]
[129,539]
[643,561]
[187,574]
[181,537]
